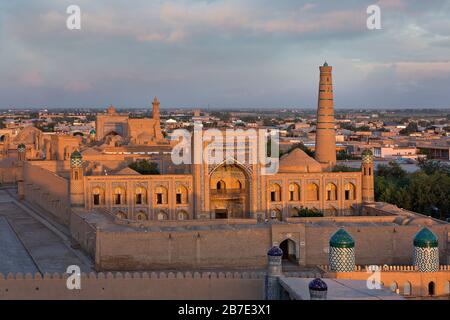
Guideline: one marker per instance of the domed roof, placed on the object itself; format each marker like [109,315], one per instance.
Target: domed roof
[367,155]
[325,64]
[425,238]
[275,251]
[298,161]
[92,131]
[318,285]
[21,146]
[76,155]
[341,239]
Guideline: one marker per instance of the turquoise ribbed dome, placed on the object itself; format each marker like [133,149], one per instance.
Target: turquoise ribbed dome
[21,147]
[76,155]
[425,239]
[341,239]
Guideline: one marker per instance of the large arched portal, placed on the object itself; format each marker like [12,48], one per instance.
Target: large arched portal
[289,250]
[229,192]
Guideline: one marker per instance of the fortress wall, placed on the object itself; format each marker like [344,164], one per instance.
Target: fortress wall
[418,281]
[8,171]
[219,248]
[153,285]
[55,166]
[48,191]
[83,233]
[373,244]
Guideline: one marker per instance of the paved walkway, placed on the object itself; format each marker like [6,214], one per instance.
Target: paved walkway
[28,243]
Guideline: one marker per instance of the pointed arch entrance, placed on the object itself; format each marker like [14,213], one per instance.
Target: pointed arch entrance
[229,196]
[289,248]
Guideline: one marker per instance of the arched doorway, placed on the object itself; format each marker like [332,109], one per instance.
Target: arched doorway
[289,250]
[431,289]
[229,192]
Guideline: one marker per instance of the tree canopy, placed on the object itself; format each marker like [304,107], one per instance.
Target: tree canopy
[145,167]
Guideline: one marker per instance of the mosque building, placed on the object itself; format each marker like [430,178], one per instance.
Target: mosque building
[227,214]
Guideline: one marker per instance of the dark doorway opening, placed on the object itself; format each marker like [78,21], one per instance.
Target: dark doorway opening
[431,288]
[288,247]
[221,213]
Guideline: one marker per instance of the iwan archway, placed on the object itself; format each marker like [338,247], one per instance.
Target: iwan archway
[229,187]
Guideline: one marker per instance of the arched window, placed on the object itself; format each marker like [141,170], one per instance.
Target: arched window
[98,196]
[182,215]
[294,192]
[121,215]
[350,191]
[119,196]
[447,287]
[312,192]
[407,289]
[140,195]
[394,287]
[275,193]
[275,214]
[161,195]
[431,288]
[181,195]
[220,185]
[141,216]
[331,192]
[162,216]
[239,184]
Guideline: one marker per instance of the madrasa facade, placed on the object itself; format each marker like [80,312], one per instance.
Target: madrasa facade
[222,214]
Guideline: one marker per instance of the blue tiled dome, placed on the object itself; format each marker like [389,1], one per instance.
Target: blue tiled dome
[92,131]
[425,238]
[76,155]
[318,285]
[275,251]
[341,239]
[21,147]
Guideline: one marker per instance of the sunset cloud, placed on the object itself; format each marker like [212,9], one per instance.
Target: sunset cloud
[223,53]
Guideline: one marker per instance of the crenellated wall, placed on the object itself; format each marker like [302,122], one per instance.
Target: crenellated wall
[161,285]
[48,191]
[403,279]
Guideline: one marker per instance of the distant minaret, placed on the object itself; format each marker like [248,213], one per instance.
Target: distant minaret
[155,112]
[21,151]
[325,132]
[76,180]
[367,176]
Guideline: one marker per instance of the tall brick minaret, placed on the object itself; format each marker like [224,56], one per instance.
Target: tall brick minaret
[325,132]
[155,111]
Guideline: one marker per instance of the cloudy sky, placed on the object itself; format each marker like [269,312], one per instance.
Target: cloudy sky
[223,53]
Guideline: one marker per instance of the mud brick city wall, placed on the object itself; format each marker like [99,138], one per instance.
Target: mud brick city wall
[226,249]
[48,191]
[164,285]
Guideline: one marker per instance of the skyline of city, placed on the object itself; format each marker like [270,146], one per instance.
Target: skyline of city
[223,54]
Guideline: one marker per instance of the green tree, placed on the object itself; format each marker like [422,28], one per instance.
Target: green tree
[145,166]
[391,170]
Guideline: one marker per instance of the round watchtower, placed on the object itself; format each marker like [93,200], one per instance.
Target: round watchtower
[342,252]
[426,251]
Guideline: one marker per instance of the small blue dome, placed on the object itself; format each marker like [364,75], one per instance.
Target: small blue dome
[425,238]
[318,285]
[341,239]
[275,251]
[76,155]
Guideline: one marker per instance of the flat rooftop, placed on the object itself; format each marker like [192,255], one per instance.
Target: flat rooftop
[338,289]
